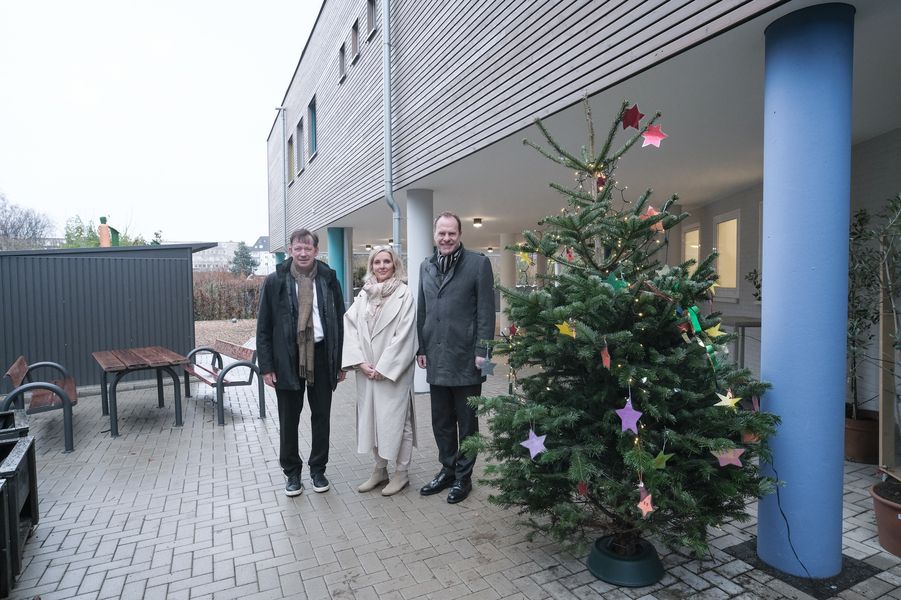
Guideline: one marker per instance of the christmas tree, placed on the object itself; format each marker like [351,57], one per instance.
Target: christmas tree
[624,414]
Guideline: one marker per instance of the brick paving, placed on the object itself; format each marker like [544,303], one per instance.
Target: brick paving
[199,512]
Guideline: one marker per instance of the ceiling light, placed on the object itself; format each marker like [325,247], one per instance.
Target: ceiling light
[477,222]
[368,247]
[490,249]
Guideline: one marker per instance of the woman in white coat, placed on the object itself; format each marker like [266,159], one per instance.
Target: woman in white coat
[380,344]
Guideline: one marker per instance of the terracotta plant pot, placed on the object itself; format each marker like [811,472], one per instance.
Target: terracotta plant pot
[862,438]
[888,521]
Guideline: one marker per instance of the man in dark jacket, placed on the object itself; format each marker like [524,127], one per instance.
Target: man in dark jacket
[300,331]
[454,318]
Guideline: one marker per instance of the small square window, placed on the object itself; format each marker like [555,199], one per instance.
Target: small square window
[355,41]
[342,62]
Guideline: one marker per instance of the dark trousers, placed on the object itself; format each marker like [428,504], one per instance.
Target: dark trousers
[290,403]
[453,420]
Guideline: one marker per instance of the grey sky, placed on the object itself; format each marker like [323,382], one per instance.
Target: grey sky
[154,113]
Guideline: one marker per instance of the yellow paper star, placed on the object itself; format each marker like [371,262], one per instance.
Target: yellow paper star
[728,400]
[714,331]
[565,329]
[713,287]
[660,460]
[524,257]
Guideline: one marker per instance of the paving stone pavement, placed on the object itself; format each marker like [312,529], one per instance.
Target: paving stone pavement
[199,511]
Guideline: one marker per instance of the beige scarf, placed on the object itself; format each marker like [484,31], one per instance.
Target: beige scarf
[306,341]
[376,294]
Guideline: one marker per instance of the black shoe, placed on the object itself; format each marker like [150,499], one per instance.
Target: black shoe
[459,491]
[320,483]
[294,486]
[442,481]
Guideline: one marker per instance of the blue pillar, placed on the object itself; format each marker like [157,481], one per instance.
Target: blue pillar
[806,203]
[336,255]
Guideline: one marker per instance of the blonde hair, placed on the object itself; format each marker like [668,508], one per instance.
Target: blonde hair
[399,272]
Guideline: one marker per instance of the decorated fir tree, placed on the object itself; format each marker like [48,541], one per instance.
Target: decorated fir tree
[624,413]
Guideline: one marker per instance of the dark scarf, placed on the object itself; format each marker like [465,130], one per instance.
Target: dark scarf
[306,343]
[446,262]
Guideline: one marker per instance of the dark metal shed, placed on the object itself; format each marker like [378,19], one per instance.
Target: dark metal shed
[61,305]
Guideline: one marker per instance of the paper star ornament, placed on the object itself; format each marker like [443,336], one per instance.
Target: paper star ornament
[582,489]
[605,357]
[646,506]
[512,329]
[653,136]
[569,255]
[652,212]
[729,457]
[616,282]
[728,400]
[660,460]
[601,180]
[565,329]
[714,331]
[535,444]
[629,417]
[488,367]
[524,257]
[713,287]
[632,117]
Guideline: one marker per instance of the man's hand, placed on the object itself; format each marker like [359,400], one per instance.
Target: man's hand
[480,360]
[420,360]
[342,375]
[269,379]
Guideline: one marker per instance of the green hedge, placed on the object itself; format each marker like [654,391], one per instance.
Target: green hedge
[225,296]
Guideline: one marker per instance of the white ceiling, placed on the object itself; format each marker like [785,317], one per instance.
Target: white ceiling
[711,98]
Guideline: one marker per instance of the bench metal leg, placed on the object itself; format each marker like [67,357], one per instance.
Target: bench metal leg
[159,388]
[104,393]
[187,386]
[177,388]
[220,408]
[262,393]
[68,427]
[113,413]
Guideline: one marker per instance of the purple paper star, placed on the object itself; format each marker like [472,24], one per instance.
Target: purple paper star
[535,444]
[629,416]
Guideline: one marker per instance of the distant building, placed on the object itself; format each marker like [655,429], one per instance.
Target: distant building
[219,257]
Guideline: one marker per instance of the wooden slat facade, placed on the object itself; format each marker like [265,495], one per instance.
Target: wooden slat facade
[466,74]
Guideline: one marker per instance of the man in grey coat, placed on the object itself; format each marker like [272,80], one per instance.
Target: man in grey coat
[455,317]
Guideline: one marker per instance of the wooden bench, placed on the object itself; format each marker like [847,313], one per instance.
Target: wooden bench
[60,393]
[215,373]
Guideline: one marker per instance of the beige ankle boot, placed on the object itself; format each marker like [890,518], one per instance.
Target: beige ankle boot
[397,483]
[378,477]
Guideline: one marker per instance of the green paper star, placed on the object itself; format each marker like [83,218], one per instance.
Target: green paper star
[660,460]
[616,282]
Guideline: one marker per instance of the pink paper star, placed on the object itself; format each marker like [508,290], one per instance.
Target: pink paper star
[605,357]
[651,212]
[629,416]
[632,117]
[729,457]
[535,444]
[646,506]
[653,136]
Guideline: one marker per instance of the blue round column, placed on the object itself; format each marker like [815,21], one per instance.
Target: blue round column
[806,204]
[336,257]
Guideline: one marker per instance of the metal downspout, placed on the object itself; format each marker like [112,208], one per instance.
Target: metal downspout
[283,110]
[386,123]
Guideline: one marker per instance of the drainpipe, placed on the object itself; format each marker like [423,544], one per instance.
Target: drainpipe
[386,122]
[283,110]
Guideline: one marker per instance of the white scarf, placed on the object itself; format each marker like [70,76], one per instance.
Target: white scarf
[376,294]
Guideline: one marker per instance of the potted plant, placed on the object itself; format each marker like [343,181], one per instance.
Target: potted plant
[627,423]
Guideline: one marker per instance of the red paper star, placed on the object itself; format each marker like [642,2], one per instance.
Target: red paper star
[632,117]
[605,357]
[684,327]
[729,457]
[569,255]
[512,329]
[601,180]
[653,136]
[651,212]
[582,489]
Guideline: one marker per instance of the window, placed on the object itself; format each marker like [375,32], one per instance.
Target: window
[370,16]
[311,123]
[290,152]
[691,246]
[341,64]
[298,135]
[354,41]
[726,245]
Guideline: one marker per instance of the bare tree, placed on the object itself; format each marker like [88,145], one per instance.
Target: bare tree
[20,227]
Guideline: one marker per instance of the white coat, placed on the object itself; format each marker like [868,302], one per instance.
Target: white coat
[390,346]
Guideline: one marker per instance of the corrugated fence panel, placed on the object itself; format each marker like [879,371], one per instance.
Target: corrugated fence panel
[62,308]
